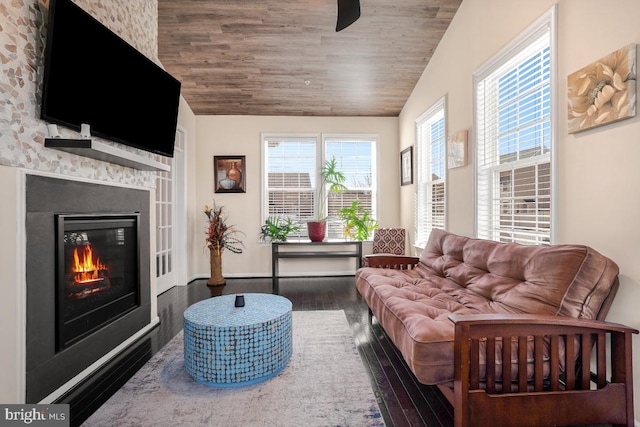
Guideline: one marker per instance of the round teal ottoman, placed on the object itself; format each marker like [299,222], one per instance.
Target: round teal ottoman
[228,346]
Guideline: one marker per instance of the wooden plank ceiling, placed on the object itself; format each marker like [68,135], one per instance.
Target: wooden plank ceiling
[284,57]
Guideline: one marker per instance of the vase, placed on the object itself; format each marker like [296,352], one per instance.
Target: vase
[215,260]
[234,173]
[316,230]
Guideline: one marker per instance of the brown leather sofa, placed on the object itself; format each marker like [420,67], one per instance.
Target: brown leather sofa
[503,290]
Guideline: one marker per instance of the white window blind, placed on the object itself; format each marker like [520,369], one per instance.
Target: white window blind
[356,159]
[290,178]
[430,172]
[513,146]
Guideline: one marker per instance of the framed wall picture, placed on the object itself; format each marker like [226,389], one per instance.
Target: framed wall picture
[229,174]
[457,149]
[406,166]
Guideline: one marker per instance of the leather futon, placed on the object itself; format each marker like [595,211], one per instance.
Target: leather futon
[459,282]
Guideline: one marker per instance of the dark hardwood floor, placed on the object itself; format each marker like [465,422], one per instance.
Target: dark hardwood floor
[402,400]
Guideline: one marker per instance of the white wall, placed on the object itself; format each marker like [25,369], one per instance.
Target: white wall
[187,121]
[598,171]
[12,303]
[240,135]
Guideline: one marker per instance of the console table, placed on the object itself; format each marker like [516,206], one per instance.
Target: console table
[308,249]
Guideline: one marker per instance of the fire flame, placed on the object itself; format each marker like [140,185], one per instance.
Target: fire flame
[85,266]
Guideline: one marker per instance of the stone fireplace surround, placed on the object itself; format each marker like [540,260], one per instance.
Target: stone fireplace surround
[46,370]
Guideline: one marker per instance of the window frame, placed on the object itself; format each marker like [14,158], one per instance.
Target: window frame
[547,22]
[320,151]
[265,138]
[369,138]
[423,215]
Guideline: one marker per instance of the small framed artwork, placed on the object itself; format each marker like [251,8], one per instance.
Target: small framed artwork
[406,166]
[457,149]
[229,174]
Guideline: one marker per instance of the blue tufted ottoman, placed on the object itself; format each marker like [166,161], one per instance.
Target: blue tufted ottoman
[228,346]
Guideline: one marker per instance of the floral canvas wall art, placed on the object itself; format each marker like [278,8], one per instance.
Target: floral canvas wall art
[604,91]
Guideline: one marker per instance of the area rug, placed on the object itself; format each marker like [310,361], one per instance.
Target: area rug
[324,384]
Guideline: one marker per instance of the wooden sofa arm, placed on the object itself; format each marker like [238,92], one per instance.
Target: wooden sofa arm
[533,395]
[398,262]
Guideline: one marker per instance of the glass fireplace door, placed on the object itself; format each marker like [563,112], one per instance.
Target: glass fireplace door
[98,272]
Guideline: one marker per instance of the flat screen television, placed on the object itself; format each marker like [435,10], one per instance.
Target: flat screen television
[93,76]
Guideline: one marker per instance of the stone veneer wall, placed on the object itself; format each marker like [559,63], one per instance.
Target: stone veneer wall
[22,42]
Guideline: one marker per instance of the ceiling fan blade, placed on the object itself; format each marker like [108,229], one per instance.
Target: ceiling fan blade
[348,13]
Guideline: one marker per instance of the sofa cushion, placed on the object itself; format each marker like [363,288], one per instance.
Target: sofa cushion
[461,275]
[568,280]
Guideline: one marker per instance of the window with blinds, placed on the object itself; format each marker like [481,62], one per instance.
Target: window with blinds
[514,141]
[356,160]
[291,176]
[430,172]
[290,169]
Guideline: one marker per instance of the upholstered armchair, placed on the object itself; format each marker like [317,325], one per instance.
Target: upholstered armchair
[387,241]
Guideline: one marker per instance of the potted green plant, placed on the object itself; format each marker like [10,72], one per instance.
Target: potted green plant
[331,181]
[358,222]
[277,228]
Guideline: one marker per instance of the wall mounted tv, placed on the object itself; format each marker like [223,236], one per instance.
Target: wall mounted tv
[93,76]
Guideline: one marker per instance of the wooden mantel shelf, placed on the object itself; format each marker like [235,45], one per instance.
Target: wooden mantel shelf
[106,153]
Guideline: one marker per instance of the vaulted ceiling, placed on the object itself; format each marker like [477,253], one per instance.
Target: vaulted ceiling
[284,57]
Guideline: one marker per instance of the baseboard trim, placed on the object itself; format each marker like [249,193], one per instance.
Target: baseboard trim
[66,387]
[268,276]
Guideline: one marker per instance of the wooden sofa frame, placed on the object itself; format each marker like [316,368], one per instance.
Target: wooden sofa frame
[570,396]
